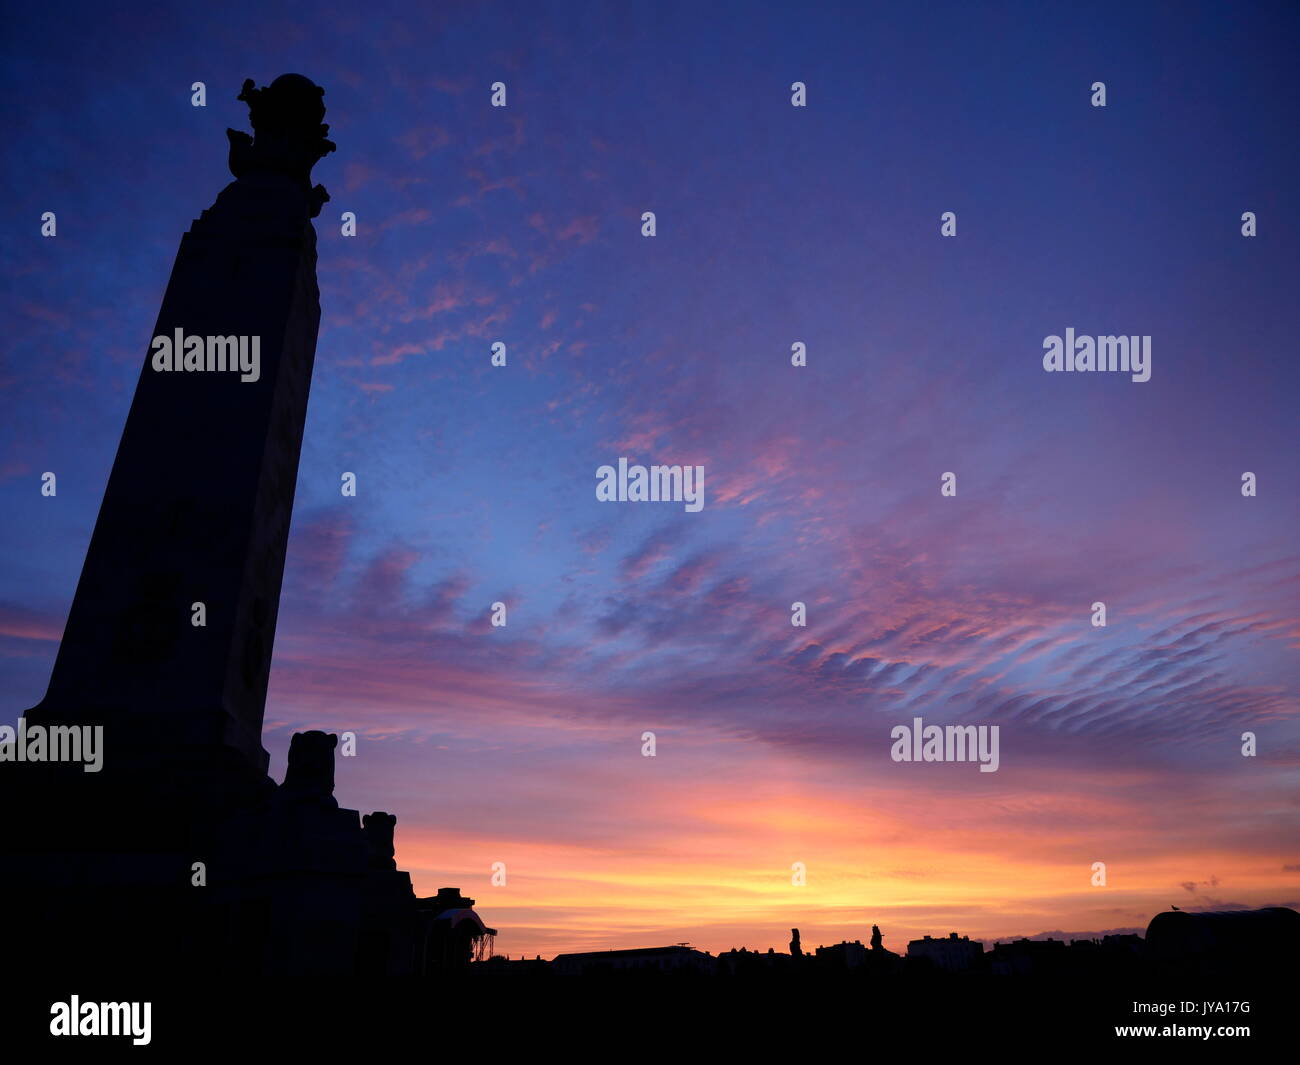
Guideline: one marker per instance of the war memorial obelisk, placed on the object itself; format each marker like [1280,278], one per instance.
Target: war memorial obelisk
[181,854]
[198,503]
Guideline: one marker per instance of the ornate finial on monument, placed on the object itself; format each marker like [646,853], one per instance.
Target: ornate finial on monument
[288,135]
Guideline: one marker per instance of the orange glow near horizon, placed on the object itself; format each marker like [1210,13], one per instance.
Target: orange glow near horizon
[713,867]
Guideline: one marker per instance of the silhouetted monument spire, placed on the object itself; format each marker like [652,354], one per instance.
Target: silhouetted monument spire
[182,854]
[198,503]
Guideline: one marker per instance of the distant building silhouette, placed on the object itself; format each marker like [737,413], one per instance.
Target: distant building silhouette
[1129,943]
[675,959]
[452,934]
[951,955]
[1252,944]
[844,955]
[1028,957]
[1226,941]
[519,968]
[753,963]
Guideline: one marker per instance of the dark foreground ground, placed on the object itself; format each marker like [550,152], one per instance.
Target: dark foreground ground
[670,1018]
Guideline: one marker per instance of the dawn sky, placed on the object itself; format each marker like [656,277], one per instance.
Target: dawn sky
[775,225]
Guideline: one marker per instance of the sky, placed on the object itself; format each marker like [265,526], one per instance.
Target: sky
[523,744]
